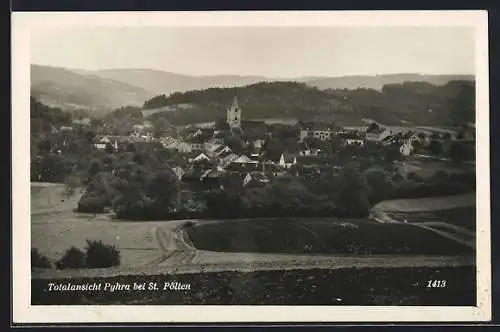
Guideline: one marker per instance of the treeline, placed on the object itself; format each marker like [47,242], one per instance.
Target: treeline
[419,102]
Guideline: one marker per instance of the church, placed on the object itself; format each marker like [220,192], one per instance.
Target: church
[250,128]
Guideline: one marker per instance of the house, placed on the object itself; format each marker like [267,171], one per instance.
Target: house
[310,152]
[225,160]
[320,130]
[244,160]
[258,144]
[210,147]
[178,171]
[219,136]
[202,135]
[195,144]
[221,151]
[100,142]
[407,148]
[193,175]
[199,158]
[86,122]
[243,167]
[270,168]
[183,147]
[351,138]
[66,128]
[287,160]
[255,180]
[212,178]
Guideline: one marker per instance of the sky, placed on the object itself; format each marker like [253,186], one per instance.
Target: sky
[263,51]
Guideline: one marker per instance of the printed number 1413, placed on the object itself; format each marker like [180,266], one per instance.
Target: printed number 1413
[436,283]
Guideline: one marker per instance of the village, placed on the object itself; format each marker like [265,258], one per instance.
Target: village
[208,157]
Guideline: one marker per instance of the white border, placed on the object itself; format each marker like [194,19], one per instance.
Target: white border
[23,312]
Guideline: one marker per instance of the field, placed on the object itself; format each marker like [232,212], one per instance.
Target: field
[55,228]
[368,286]
[320,236]
[461,217]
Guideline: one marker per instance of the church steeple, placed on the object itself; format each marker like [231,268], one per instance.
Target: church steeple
[233,117]
[235,103]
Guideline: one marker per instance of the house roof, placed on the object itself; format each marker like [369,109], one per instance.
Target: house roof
[213,173]
[230,157]
[349,135]
[226,154]
[243,167]
[271,167]
[201,156]
[220,149]
[316,125]
[243,159]
[259,176]
[222,134]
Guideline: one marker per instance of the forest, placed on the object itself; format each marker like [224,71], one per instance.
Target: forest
[420,103]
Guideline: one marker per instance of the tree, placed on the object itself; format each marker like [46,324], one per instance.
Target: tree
[44,146]
[436,147]
[160,126]
[373,127]
[381,186]
[109,148]
[221,124]
[458,152]
[95,167]
[235,144]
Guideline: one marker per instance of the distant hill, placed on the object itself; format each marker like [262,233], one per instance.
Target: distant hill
[105,90]
[59,87]
[162,82]
[410,102]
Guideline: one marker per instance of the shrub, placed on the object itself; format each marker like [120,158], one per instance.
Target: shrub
[73,258]
[92,204]
[414,177]
[99,255]
[39,260]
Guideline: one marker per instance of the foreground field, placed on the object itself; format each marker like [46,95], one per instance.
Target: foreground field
[321,236]
[368,286]
[154,248]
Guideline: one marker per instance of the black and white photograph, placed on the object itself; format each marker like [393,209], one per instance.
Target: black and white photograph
[251,166]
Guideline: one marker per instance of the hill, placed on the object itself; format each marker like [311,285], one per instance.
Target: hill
[415,102]
[164,82]
[59,87]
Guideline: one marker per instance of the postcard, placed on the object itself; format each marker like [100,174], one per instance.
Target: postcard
[250,166]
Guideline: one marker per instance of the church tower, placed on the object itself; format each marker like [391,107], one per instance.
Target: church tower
[233,116]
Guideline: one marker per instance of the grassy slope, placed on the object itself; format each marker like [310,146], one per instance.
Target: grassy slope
[291,236]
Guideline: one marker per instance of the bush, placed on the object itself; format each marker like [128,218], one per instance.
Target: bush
[39,260]
[414,177]
[92,204]
[99,255]
[73,258]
